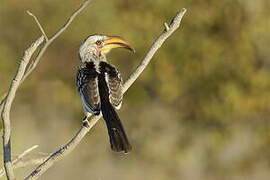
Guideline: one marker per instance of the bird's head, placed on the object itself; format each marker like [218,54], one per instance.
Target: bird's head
[97,46]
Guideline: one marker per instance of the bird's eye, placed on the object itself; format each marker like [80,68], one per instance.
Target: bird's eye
[98,43]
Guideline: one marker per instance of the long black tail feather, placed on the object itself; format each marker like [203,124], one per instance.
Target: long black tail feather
[118,138]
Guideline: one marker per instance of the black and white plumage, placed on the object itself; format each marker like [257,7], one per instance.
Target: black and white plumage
[87,86]
[100,86]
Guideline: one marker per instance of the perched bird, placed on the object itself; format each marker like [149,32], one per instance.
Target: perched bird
[100,85]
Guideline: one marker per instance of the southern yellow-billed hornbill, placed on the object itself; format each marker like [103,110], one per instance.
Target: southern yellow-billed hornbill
[100,85]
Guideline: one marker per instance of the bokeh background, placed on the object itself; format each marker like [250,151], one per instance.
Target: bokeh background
[199,111]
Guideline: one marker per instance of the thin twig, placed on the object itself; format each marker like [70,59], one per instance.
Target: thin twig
[87,125]
[38,24]
[7,106]
[27,151]
[34,63]
[175,23]
[18,159]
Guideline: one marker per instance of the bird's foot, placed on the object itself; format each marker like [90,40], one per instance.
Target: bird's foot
[85,122]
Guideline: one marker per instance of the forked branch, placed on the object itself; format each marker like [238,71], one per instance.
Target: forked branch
[21,162]
[87,125]
[7,106]
[24,70]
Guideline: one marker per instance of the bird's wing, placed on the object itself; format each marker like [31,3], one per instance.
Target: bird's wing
[115,85]
[87,85]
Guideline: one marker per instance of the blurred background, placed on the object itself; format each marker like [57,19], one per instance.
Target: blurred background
[200,110]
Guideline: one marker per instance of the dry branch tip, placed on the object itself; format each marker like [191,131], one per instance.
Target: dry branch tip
[38,24]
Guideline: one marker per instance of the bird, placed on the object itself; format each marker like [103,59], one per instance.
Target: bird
[100,85]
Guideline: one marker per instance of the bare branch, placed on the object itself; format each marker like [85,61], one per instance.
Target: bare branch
[21,75]
[3,99]
[27,151]
[175,23]
[39,25]
[7,106]
[65,150]
[18,159]
[21,164]
[87,125]
[34,63]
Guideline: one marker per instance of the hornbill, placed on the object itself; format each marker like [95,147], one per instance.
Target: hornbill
[100,85]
